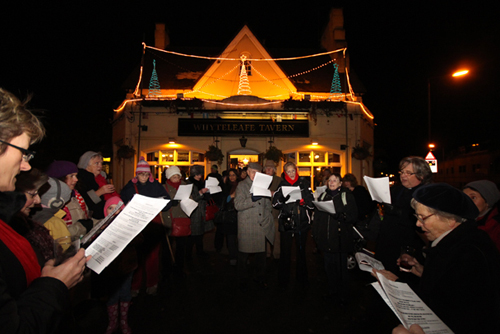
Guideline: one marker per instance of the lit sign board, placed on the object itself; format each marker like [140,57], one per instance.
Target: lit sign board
[432,161]
[227,127]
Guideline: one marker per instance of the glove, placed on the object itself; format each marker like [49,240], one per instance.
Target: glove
[286,198]
[256,198]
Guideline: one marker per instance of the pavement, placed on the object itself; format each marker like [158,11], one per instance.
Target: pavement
[208,300]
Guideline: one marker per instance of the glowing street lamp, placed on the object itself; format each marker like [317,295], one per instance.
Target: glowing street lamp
[456,74]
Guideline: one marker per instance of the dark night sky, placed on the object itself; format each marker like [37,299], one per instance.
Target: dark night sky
[73,58]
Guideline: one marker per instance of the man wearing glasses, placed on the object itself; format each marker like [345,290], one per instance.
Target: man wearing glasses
[398,227]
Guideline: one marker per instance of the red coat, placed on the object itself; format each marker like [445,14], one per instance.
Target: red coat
[491,225]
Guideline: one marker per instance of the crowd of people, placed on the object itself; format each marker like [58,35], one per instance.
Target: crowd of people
[455,268]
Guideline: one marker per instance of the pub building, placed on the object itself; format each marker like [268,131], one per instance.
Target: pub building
[187,107]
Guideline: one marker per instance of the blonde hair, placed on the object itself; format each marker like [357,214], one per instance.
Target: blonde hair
[15,120]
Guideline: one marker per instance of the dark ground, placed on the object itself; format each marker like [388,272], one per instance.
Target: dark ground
[209,301]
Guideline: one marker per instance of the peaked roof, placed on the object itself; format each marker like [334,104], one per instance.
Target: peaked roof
[215,73]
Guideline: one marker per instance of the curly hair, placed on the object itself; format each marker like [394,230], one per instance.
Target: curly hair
[15,120]
[420,167]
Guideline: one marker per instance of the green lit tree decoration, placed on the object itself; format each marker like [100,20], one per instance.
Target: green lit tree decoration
[154,84]
[336,89]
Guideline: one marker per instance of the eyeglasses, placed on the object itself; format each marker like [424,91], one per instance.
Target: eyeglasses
[32,194]
[27,154]
[405,172]
[422,219]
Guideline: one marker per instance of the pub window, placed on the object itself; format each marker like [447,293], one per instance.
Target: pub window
[248,67]
[333,158]
[183,156]
[168,156]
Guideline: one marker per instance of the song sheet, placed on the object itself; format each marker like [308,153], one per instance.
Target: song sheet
[319,191]
[183,195]
[125,227]
[326,206]
[367,262]
[294,193]
[409,308]
[379,189]
[260,185]
[213,185]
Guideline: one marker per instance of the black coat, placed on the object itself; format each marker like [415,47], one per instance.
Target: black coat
[87,186]
[461,281]
[334,232]
[301,214]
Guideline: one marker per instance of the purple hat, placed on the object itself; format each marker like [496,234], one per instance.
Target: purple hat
[59,169]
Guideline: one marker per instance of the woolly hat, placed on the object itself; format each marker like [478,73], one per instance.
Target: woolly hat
[112,201]
[171,171]
[57,195]
[443,197]
[256,166]
[86,157]
[59,169]
[269,164]
[487,189]
[142,167]
[215,167]
[196,170]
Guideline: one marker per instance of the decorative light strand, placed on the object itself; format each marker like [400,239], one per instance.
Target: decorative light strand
[249,59]
[244,85]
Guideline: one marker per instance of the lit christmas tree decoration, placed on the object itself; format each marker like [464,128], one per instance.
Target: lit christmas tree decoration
[154,83]
[244,85]
[336,89]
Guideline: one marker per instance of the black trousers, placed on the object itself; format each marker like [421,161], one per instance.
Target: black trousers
[285,262]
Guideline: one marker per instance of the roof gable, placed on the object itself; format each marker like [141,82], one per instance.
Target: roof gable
[265,78]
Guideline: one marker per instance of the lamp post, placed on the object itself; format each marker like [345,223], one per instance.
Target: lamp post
[454,75]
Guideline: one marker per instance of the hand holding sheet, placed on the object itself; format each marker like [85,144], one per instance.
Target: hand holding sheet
[379,189]
[183,195]
[260,185]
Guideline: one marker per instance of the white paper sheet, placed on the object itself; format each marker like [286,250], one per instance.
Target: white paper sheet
[188,206]
[409,308]
[367,262]
[184,192]
[213,185]
[260,185]
[294,193]
[319,191]
[379,189]
[326,206]
[125,227]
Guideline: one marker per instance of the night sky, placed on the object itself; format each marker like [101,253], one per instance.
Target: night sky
[74,57]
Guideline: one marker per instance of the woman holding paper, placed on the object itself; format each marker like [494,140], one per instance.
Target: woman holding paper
[294,220]
[333,234]
[198,223]
[177,220]
[149,251]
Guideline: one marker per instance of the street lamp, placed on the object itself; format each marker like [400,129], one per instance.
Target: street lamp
[456,74]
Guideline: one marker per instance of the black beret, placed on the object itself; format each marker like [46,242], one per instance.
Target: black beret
[445,198]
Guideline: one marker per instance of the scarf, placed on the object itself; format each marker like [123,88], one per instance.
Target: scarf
[101,181]
[175,185]
[22,250]
[290,180]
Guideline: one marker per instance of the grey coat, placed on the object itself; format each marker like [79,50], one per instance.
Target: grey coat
[255,221]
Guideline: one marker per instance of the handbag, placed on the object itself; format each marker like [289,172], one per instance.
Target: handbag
[181,227]
[210,210]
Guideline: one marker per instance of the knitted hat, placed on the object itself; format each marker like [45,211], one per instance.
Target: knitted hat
[256,166]
[113,200]
[86,157]
[215,167]
[443,197]
[487,189]
[61,168]
[142,167]
[196,170]
[173,170]
[57,195]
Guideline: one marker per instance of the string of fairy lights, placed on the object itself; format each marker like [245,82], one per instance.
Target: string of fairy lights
[243,82]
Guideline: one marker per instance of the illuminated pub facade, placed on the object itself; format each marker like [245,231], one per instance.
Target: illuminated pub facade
[243,102]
